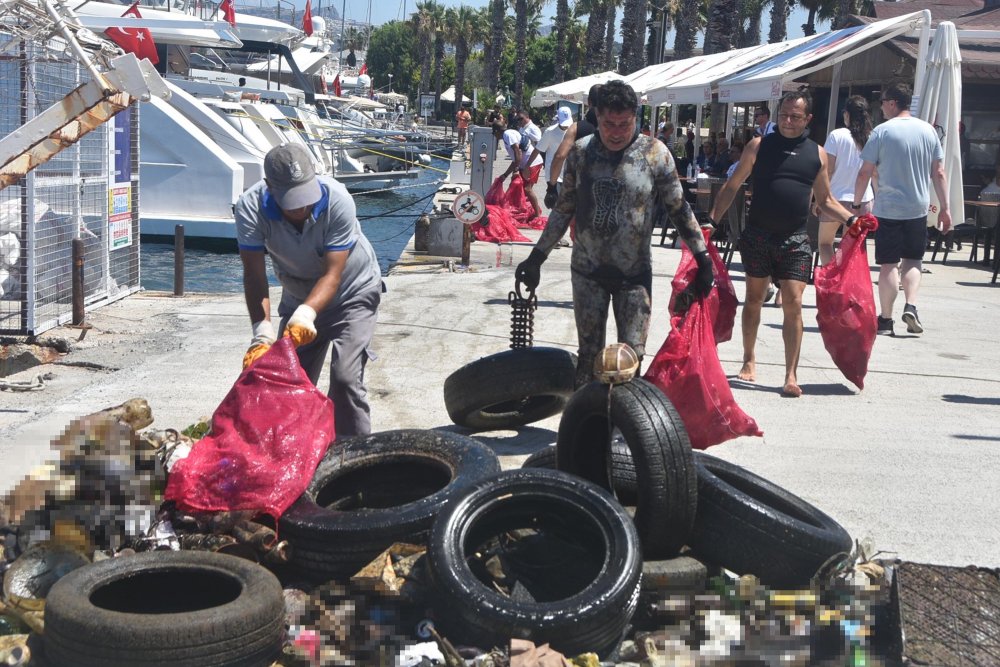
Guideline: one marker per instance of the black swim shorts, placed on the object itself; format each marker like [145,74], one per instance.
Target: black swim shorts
[780,256]
[900,239]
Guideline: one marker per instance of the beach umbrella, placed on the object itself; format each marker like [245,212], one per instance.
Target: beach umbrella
[940,104]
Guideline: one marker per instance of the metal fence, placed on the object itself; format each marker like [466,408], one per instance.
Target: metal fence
[87,191]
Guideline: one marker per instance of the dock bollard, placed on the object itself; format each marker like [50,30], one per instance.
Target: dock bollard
[78,309]
[178,260]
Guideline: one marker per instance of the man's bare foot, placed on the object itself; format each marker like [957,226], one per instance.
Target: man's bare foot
[749,372]
[791,389]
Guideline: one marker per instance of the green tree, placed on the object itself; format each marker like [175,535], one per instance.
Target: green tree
[633,36]
[687,25]
[780,9]
[561,30]
[541,62]
[391,52]
[462,29]
[424,27]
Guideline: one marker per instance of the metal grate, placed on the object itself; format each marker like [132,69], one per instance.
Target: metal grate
[948,616]
[87,191]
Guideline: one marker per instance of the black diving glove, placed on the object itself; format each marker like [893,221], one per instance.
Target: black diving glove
[551,195]
[706,275]
[529,271]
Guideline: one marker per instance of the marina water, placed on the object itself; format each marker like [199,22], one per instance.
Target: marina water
[386,218]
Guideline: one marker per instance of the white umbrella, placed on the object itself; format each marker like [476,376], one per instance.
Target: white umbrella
[940,104]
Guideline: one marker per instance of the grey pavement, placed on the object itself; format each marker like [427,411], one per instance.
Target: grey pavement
[913,461]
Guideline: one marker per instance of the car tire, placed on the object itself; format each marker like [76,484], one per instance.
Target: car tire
[373,490]
[511,388]
[662,461]
[622,469]
[165,608]
[750,525]
[593,618]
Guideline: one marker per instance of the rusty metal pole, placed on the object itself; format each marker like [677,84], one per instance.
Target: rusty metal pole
[178,260]
[78,311]
[466,243]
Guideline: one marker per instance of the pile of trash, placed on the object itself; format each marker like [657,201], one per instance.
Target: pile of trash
[463,565]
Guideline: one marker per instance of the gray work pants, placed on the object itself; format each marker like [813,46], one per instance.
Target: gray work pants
[348,328]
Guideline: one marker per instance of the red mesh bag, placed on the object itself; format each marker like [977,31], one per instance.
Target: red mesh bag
[687,369]
[498,227]
[520,208]
[268,435]
[721,302]
[495,194]
[845,303]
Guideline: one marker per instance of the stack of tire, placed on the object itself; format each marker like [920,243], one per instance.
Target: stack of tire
[629,439]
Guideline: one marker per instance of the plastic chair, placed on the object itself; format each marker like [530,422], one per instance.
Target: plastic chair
[734,220]
[981,226]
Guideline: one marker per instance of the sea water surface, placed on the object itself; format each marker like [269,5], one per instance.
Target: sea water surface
[386,218]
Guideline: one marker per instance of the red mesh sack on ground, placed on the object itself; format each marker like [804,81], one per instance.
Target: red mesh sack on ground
[845,304]
[721,302]
[498,227]
[520,208]
[687,369]
[267,437]
[495,194]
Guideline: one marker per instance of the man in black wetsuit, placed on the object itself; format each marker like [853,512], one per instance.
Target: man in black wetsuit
[785,168]
[612,185]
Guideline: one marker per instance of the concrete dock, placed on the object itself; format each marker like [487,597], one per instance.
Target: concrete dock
[913,461]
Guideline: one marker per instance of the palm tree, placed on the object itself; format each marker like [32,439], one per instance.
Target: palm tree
[611,22]
[721,32]
[498,12]
[576,48]
[520,48]
[633,35]
[462,28]
[843,9]
[779,21]
[809,27]
[437,13]
[751,14]
[686,25]
[423,24]
[562,28]
[597,23]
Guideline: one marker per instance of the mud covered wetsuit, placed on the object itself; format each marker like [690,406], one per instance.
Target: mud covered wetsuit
[775,242]
[614,197]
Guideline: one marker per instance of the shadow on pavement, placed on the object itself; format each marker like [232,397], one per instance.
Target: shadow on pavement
[970,400]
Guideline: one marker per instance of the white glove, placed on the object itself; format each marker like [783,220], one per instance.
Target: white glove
[301,326]
[263,333]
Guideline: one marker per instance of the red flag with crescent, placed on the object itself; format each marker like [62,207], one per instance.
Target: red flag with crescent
[134,40]
[228,12]
[307,19]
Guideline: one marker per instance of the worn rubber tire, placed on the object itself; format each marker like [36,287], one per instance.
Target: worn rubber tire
[750,525]
[403,476]
[666,484]
[682,573]
[592,619]
[510,389]
[165,608]
[622,469]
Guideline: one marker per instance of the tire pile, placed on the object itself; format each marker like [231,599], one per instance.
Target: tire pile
[548,553]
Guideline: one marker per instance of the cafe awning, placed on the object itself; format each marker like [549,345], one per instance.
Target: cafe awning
[696,84]
[767,78]
[574,90]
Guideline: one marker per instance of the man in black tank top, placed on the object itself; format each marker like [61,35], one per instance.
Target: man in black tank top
[786,168]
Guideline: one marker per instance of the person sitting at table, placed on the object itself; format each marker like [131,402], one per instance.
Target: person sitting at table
[735,153]
[722,160]
[706,160]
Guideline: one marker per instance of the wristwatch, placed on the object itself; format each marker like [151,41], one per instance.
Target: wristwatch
[851,220]
[856,207]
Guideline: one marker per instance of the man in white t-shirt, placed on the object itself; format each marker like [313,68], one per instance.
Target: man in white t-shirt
[908,155]
[547,146]
[524,159]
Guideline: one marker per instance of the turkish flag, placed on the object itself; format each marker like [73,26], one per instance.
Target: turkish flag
[134,40]
[336,86]
[307,19]
[364,69]
[228,12]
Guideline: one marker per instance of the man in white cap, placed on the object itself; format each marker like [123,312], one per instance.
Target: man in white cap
[329,274]
[547,146]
